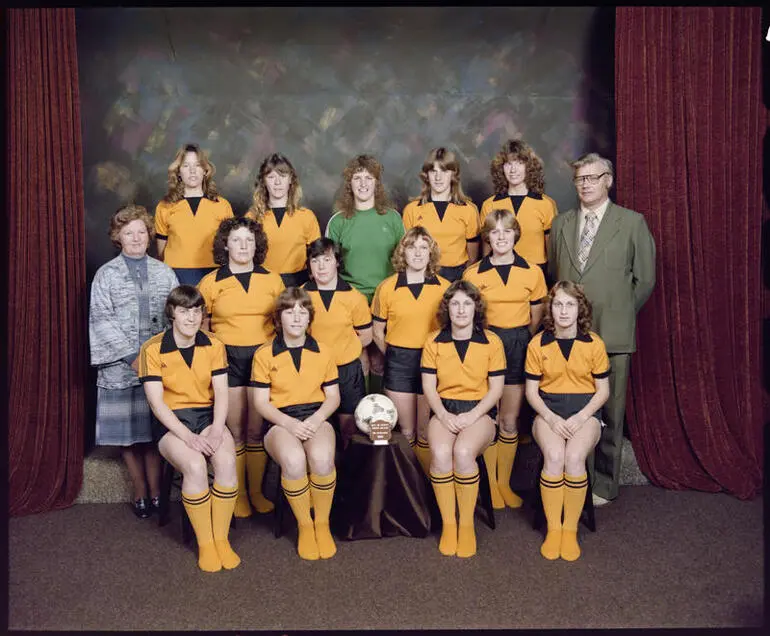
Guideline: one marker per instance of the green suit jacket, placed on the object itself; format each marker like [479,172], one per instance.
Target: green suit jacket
[619,275]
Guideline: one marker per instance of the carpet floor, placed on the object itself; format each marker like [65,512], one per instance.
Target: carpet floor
[658,559]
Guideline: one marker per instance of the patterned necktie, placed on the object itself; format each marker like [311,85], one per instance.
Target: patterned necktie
[587,238]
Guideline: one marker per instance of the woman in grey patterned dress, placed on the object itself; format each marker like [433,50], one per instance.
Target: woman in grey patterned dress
[127,300]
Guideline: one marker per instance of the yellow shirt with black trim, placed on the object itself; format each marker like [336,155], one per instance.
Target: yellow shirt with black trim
[463,367]
[338,313]
[287,242]
[459,224]
[184,386]
[535,216]
[190,236]
[409,311]
[509,290]
[567,365]
[294,376]
[241,305]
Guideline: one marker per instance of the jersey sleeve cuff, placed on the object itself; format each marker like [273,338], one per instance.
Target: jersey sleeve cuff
[150,378]
[536,302]
[330,382]
[218,372]
[427,370]
[474,239]
[378,319]
[259,385]
[491,374]
[605,374]
[360,327]
[532,376]
[162,237]
[547,230]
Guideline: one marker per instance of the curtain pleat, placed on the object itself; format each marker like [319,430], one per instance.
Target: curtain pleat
[690,123]
[47,340]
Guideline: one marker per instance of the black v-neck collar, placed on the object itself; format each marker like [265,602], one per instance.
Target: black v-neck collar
[193,202]
[461,346]
[504,271]
[565,344]
[279,214]
[168,345]
[244,278]
[441,208]
[279,346]
[327,295]
[415,288]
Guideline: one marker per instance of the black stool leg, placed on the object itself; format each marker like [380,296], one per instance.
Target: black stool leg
[166,481]
[588,515]
[485,494]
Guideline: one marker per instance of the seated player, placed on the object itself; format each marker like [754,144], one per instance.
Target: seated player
[513,290]
[240,296]
[404,313]
[184,372]
[567,384]
[295,388]
[342,323]
[463,371]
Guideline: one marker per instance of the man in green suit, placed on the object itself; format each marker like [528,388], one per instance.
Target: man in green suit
[610,251]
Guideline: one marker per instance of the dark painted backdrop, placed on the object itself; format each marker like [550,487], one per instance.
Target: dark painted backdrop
[324,84]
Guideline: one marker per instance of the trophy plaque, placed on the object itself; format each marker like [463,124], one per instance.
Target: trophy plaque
[379,432]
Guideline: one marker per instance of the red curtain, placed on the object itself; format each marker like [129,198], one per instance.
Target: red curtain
[690,126]
[47,339]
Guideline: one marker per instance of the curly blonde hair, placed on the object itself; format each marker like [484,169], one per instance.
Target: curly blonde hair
[513,150]
[399,254]
[447,160]
[346,202]
[584,306]
[261,199]
[124,216]
[176,187]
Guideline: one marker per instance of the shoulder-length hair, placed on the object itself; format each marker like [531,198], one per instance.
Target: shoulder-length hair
[584,306]
[516,149]
[286,300]
[479,304]
[124,216]
[506,218]
[261,199]
[176,187]
[221,255]
[346,203]
[447,160]
[399,254]
[186,296]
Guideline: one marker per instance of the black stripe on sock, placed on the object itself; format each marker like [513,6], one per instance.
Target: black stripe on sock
[296,493]
[223,494]
[467,480]
[196,501]
[551,483]
[576,484]
[508,440]
[442,480]
[329,486]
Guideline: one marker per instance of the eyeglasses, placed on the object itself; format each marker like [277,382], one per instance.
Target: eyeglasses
[588,178]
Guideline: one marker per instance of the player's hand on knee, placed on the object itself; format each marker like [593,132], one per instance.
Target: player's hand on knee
[449,420]
[200,444]
[574,423]
[214,437]
[559,426]
[464,420]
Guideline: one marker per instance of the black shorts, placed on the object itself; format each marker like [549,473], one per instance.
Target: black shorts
[239,364]
[567,404]
[455,407]
[402,370]
[195,418]
[295,279]
[452,273]
[297,411]
[515,341]
[352,386]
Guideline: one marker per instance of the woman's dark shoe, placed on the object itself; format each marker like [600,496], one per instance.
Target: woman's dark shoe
[155,505]
[142,508]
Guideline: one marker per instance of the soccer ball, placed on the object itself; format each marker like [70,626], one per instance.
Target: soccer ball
[375,407]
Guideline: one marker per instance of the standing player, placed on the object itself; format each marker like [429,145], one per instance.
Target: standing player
[240,297]
[342,323]
[187,218]
[289,227]
[514,292]
[446,212]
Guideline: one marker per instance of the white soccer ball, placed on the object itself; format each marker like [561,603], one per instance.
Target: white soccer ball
[375,407]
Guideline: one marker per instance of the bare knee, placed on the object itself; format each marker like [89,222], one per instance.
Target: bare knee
[441,458]
[553,459]
[293,464]
[574,462]
[464,459]
[321,462]
[195,472]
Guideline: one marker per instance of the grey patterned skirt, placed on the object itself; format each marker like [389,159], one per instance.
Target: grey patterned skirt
[123,417]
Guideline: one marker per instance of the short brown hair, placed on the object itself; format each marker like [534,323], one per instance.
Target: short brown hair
[584,306]
[186,296]
[508,220]
[124,216]
[221,257]
[286,300]
[412,234]
[480,305]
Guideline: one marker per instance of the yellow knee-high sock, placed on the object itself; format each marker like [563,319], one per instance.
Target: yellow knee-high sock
[198,509]
[242,505]
[507,444]
[256,462]
[298,493]
[490,459]
[444,488]
[467,491]
[575,487]
[552,493]
[222,506]
[322,494]
[422,450]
